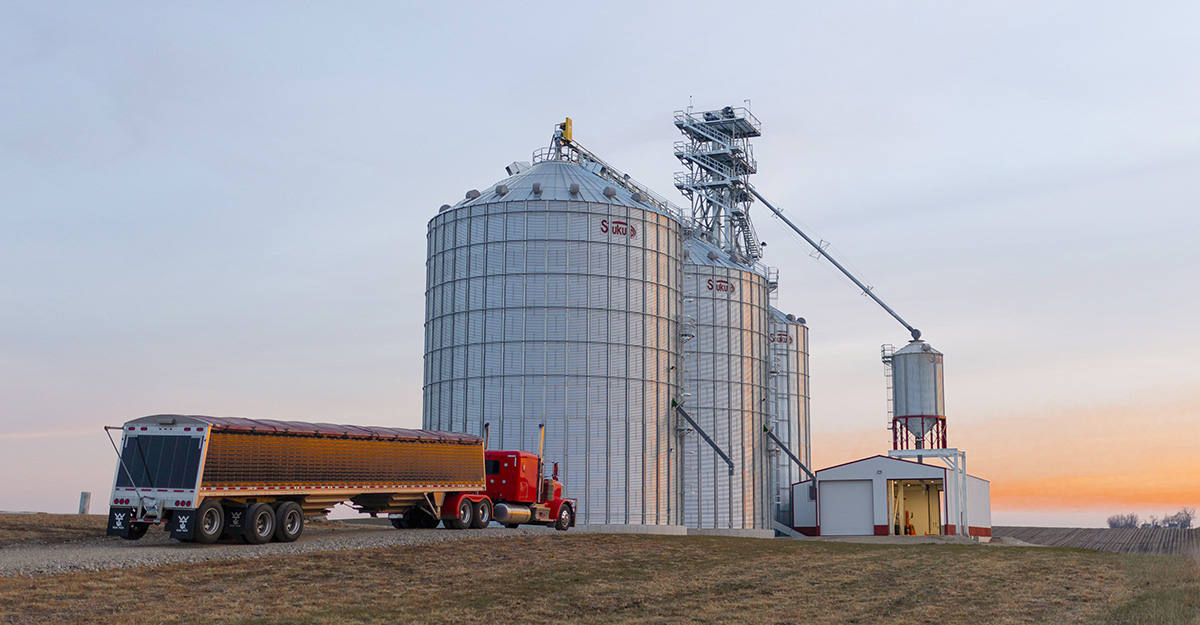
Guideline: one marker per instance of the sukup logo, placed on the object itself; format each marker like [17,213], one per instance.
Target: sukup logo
[722,286]
[781,337]
[617,227]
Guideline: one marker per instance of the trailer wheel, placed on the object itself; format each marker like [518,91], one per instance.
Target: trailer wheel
[465,516]
[399,522]
[136,531]
[210,522]
[260,524]
[289,522]
[511,525]
[564,518]
[483,514]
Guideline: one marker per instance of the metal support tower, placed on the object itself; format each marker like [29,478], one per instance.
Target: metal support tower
[720,159]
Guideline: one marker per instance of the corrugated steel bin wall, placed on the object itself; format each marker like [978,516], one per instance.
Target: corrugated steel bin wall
[541,312]
[725,384]
[789,409]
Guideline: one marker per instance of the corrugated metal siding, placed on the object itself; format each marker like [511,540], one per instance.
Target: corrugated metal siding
[545,312]
[789,408]
[725,382]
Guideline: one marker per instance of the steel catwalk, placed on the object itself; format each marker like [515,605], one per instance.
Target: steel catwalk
[554,298]
[725,389]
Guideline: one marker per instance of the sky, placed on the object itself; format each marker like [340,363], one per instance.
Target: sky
[221,209]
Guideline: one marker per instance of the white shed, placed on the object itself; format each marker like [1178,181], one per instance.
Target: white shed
[885,496]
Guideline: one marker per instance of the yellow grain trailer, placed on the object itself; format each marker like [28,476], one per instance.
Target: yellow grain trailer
[203,477]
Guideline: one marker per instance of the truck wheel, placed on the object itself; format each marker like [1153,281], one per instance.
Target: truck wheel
[564,518]
[465,516]
[399,522]
[260,524]
[483,514]
[210,522]
[289,522]
[136,531]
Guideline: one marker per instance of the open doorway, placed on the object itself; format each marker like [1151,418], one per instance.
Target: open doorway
[915,507]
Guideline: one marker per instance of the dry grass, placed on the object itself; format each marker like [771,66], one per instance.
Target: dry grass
[576,578]
[45,529]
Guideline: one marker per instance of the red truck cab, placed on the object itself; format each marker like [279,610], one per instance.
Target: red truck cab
[521,493]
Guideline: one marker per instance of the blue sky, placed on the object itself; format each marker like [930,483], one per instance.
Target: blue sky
[221,209]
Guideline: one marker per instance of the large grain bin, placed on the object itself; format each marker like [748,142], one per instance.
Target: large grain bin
[725,390]
[788,339]
[553,297]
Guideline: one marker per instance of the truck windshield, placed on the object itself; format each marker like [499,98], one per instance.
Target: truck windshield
[153,461]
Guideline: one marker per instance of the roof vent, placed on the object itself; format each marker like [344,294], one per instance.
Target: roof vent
[713,256]
[537,188]
[800,320]
[501,189]
[791,317]
[472,194]
[165,420]
[517,167]
[687,253]
[610,192]
[574,188]
[638,197]
[444,208]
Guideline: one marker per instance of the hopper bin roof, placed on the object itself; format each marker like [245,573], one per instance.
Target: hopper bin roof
[555,180]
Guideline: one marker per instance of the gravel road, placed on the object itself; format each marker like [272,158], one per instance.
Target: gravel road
[157,548]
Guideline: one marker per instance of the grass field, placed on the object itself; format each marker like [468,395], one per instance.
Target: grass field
[581,578]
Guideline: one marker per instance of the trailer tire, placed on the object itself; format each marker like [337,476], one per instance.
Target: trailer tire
[464,516]
[260,524]
[483,515]
[399,522]
[210,522]
[565,514]
[136,531]
[511,525]
[289,522]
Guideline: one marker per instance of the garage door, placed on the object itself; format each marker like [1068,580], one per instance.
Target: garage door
[847,508]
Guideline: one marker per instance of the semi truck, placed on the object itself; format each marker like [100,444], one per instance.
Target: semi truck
[202,478]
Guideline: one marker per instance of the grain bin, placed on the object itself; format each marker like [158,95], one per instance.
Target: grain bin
[788,339]
[725,389]
[554,297]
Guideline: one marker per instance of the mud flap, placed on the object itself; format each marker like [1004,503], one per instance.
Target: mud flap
[183,524]
[235,521]
[119,520]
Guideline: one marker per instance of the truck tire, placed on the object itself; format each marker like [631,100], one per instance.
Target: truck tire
[483,515]
[565,514]
[289,522]
[210,522]
[465,515]
[260,524]
[399,522]
[136,531]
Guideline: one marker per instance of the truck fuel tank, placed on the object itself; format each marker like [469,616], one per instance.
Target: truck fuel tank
[511,513]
